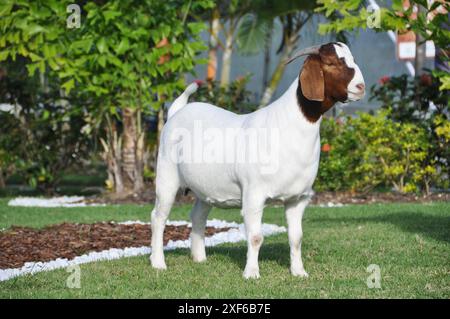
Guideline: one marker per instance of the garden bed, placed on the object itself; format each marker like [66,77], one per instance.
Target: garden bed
[19,245]
[320,198]
[25,250]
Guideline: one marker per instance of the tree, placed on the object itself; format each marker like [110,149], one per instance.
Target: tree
[292,24]
[231,13]
[254,35]
[113,60]
[213,44]
[409,98]
[353,15]
[39,136]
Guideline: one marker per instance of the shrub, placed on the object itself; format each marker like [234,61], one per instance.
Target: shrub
[43,144]
[419,101]
[40,137]
[340,154]
[394,152]
[235,97]
[372,150]
[411,99]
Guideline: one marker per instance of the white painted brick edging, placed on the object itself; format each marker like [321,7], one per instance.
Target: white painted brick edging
[236,234]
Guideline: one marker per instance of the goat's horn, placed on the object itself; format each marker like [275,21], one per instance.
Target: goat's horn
[311,50]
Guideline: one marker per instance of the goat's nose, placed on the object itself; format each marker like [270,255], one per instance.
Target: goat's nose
[360,86]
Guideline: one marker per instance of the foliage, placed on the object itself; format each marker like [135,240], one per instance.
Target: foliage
[43,141]
[41,135]
[394,152]
[341,153]
[124,59]
[251,34]
[408,99]
[442,141]
[420,101]
[114,54]
[235,97]
[411,99]
[253,27]
[354,15]
[372,150]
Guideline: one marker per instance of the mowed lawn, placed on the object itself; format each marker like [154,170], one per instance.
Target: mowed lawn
[409,242]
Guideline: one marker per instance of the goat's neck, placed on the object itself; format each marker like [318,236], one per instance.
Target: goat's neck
[312,110]
[307,113]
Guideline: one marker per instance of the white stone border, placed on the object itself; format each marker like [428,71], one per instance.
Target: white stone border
[61,201]
[235,234]
[79,201]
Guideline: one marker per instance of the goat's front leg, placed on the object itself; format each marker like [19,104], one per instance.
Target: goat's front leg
[199,215]
[252,211]
[294,215]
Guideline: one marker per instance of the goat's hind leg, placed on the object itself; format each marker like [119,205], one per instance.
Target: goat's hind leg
[165,197]
[199,215]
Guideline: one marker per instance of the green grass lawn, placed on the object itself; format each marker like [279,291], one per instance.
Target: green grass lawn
[409,242]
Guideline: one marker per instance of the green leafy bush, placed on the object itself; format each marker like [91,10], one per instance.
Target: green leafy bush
[361,153]
[421,102]
[340,154]
[235,97]
[411,99]
[41,135]
[394,152]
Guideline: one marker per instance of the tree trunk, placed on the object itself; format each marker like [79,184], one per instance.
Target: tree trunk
[113,156]
[129,160]
[267,55]
[419,61]
[140,151]
[276,76]
[427,187]
[160,126]
[2,179]
[213,46]
[226,59]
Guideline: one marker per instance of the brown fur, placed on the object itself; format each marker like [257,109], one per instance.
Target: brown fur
[311,79]
[334,73]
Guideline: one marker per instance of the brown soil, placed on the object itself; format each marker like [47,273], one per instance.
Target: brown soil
[24,244]
[350,198]
[148,197]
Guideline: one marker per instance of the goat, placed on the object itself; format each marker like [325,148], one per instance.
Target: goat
[329,75]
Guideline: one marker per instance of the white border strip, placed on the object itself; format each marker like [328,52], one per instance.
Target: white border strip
[60,201]
[236,234]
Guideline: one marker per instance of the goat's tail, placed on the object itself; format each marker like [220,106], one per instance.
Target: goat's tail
[182,99]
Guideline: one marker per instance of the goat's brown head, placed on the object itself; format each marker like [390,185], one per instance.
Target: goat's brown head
[329,75]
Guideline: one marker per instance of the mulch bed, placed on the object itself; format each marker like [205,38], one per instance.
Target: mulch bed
[19,245]
[148,197]
[376,197]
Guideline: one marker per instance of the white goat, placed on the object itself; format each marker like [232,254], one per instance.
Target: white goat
[329,74]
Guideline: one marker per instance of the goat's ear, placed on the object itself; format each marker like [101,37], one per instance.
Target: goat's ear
[311,79]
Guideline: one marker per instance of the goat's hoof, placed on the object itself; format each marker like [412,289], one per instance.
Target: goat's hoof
[252,273]
[299,273]
[199,259]
[158,263]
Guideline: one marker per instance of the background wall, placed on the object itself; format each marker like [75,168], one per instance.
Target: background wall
[374,52]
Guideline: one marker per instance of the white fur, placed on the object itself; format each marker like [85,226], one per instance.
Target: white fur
[353,92]
[238,184]
[182,99]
